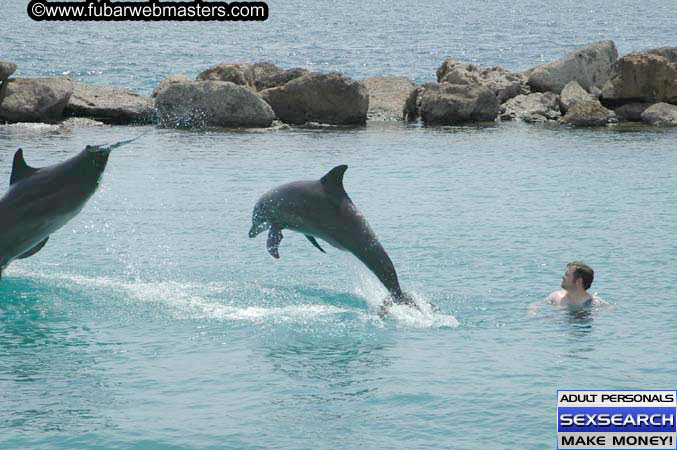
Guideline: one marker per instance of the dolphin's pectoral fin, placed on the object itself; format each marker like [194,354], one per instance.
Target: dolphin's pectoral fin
[314,242]
[34,250]
[20,169]
[273,243]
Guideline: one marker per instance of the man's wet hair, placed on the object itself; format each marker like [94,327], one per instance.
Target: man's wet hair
[584,272]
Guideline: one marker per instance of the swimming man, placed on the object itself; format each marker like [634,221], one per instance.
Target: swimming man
[575,284]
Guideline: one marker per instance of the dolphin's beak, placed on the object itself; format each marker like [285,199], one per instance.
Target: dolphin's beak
[98,149]
[255,230]
[108,148]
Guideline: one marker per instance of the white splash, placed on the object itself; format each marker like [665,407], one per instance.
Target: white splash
[373,291]
[187,300]
[29,127]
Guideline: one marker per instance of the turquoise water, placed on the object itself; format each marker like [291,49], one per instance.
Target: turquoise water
[152,320]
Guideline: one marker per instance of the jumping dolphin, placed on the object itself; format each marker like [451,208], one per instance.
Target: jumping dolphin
[40,201]
[322,209]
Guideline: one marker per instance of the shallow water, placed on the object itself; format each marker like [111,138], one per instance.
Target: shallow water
[152,320]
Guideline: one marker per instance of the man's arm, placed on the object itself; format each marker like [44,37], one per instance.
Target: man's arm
[552,298]
[532,310]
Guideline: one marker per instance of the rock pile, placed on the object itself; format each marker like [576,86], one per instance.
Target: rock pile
[589,86]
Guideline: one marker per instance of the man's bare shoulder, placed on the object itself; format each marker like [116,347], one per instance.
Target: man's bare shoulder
[555,297]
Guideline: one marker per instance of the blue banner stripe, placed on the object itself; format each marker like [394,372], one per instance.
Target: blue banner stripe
[600,419]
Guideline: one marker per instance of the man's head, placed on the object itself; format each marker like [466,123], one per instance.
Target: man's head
[577,275]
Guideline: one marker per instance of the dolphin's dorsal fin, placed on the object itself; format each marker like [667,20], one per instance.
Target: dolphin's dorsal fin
[20,169]
[333,180]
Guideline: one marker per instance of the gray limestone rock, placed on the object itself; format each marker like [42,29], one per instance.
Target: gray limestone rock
[242,74]
[280,78]
[642,77]
[631,112]
[536,107]
[661,115]
[167,81]
[589,65]
[572,94]
[587,113]
[502,82]
[387,96]
[198,104]
[449,104]
[35,99]
[331,98]
[109,104]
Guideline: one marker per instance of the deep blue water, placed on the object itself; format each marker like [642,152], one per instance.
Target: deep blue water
[152,321]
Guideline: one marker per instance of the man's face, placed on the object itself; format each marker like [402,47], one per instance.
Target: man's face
[568,281]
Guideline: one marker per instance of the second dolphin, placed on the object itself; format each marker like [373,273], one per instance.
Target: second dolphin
[322,209]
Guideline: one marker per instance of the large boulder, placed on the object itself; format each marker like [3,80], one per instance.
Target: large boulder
[587,113]
[265,69]
[457,72]
[211,103]
[670,53]
[276,79]
[503,83]
[572,94]
[642,77]
[449,104]
[167,81]
[589,65]
[661,115]
[6,69]
[533,108]
[631,112]
[387,96]
[243,74]
[109,104]
[330,98]
[412,106]
[35,99]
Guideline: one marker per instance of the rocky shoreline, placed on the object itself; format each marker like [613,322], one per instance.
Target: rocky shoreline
[588,87]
